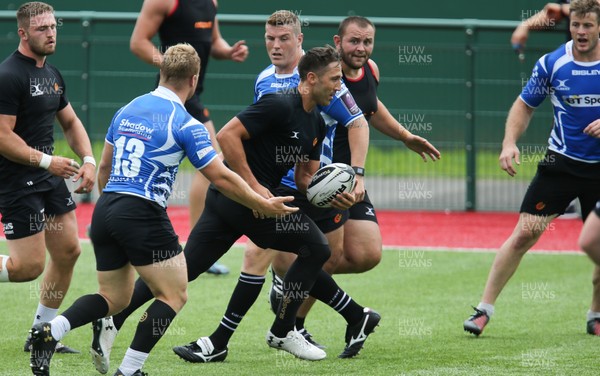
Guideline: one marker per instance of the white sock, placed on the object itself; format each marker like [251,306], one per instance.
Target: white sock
[60,327]
[592,315]
[132,361]
[488,308]
[4,271]
[44,314]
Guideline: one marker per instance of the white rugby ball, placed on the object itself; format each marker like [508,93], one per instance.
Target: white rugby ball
[328,182]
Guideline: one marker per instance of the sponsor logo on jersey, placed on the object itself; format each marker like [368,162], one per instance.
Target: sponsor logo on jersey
[582,100]
[585,72]
[295,135]
[562,85]
[278,85]
[540,205]
[204,152]
[203,25]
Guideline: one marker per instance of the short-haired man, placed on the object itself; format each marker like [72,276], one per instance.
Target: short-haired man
[37,207]
[130,230]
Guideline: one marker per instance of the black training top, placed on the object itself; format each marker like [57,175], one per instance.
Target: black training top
[282,134]
[192,22]
[34,95]
[364,91]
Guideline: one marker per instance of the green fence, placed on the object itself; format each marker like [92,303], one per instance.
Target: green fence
[449,80]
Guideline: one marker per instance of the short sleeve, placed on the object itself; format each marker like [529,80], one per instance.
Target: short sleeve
[11,93]
[343,107]
[194,139]
[538,86]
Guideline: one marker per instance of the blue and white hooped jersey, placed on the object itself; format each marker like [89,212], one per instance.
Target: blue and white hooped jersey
[151,135]
[574,89]
[341,110]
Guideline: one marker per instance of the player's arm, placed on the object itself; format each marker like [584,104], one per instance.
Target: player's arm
[358,141]
[146,27]
[230,139]
[384,122]
[15,149]
[549,16]
[234,187]
[303,173]
[78,140]
[517,122]
[105,166]
[221,50]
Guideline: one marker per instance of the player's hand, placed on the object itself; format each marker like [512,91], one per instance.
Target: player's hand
[422,147]
[239,51]
[343,201]
[63,167]
[507,155]
[87,174]
[359,188]
[275,207]
[593,129]
[263,191]
[519,37]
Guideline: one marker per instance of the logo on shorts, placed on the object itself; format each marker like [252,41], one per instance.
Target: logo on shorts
[540,205]
[337,218]
[8,228]
[370,212]
[69,201]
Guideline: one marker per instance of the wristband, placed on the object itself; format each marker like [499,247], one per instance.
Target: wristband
[90,160]
[359,171]
[45,161]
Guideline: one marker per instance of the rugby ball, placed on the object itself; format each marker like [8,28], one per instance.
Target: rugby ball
[328,182]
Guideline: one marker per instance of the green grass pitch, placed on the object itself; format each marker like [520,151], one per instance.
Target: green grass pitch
[423,297]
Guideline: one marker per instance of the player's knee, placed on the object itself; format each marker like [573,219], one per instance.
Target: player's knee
[24,270]
[68,255]
[318,253]
[371,260]
[334,260]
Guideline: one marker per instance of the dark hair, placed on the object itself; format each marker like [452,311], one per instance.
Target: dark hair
[583,7]
[316,59]
[362,22]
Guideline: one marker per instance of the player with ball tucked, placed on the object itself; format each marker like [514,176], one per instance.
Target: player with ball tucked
[261,144]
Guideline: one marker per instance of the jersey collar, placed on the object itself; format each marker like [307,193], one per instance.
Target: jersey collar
[165,93]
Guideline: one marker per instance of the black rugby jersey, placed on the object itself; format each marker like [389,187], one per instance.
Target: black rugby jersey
[364,91]
[34,95]
[281,135]
[192,22]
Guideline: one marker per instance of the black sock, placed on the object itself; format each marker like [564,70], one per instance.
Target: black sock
[86,309]
[300,322]
[152,326]
[298,281]
[141,295]
[326,290]
[243,297]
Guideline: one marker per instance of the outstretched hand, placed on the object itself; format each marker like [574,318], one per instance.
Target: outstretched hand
[422,147]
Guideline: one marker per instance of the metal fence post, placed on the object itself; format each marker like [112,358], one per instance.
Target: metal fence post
[470,157]
[86,25]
